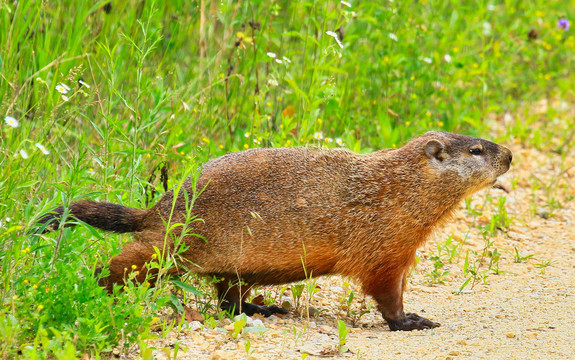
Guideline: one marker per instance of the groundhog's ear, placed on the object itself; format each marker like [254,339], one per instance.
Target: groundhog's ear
[435,149]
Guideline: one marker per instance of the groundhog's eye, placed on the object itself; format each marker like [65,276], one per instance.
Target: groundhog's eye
[476,151]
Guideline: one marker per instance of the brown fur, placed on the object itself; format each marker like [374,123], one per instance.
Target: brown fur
[265,211]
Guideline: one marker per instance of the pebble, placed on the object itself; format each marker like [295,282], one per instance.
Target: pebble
[313,312]
[257,323]
[224,322]
[311,349]
[194,325]
[337,289]
[223,355]
[286,305]
[326,329]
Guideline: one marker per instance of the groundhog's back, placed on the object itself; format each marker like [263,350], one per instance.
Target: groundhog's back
[287,204]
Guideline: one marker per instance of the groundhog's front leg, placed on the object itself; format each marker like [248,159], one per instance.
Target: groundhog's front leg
[388,292]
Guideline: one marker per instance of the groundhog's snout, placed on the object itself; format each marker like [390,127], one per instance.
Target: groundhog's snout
[507,157]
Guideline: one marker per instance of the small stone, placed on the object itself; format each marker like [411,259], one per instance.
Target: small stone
[310,349]
[510,335]
[286,305]
[461,342]
[224,322]
[532,335]
[194,325]
[454,353]
[326,329]
[223,355]
[257,323]
[229,327]
[313,312]
[337,289]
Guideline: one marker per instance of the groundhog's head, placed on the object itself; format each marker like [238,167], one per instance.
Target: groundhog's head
[471,162]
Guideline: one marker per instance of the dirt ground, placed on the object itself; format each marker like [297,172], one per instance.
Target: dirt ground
[527,311]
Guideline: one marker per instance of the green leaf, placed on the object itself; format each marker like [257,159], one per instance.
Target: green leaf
[177,304]
[186,287]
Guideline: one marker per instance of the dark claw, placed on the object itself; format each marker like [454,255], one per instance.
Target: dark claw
[411,321]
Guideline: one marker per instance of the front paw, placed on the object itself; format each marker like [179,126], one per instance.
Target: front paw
[411,321]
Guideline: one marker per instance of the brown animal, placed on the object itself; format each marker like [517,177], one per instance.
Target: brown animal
[267,213]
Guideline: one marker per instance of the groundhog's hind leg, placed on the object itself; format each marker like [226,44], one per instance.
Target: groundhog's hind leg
[232,298]
[387,290]
[133,258]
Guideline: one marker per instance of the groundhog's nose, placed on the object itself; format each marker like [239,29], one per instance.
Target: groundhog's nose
[509,154]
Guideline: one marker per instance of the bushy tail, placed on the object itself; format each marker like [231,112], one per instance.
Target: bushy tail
[105,216]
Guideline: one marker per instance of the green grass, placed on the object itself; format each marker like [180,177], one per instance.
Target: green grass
[173,84]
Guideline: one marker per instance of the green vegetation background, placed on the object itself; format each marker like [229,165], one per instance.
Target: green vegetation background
[174,83]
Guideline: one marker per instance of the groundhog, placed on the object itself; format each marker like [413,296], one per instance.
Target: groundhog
[277,215]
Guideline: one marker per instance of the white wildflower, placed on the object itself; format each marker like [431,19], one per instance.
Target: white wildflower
[286,60]
[437,85]
[447,58]
[83,83]
[486,28]
[11,121]
[345,3]
[247,134]
[186,106]
[24,154]
[491,7]
[334,35]
[65,98]
[328,140]
[392,36]
[272,55]
[42,149]
[427,60]
[272,82]
[318,135]
[62,88]
[339,141]
[279,61]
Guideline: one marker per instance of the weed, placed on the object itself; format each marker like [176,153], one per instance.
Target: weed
[296,292]
[248,348]
[347,302]
[518,258]
[543,265]
[342,335]
[240,322]
[437,275]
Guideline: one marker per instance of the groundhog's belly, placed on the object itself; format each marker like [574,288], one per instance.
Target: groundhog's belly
[263,260]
